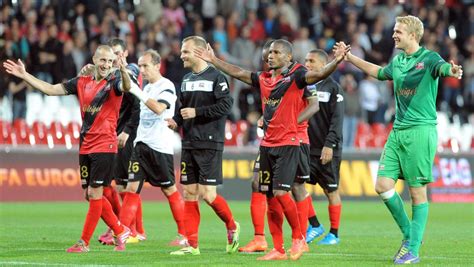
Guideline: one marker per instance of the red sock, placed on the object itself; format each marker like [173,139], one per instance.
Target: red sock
[302,208]
[311,211]
[129,208]
[110,218]
[291,214]
[219,205]
[139,218]
[258,206]
[177,208]
[335,215]
[275,223]
[115,202]
[92,218]
[192,218]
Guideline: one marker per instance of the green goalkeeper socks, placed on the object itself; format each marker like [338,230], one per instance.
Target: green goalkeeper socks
[396,208]
[418,224]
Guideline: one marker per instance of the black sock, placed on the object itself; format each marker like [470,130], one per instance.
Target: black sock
[314,221]
[333,231]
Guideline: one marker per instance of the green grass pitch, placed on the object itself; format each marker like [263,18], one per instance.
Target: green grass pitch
[37,234]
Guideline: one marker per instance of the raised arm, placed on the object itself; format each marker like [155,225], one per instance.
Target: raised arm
[229,69]
[367,67]
[340,51]
[18,69]
[126,81]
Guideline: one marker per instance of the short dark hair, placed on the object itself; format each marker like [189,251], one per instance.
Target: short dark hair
[155,56]
[321,54]
[198,41]
[287,46]
[116,41]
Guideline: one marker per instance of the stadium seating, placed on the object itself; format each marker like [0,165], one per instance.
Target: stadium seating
[363,135]
[73,129]
[379,135]
[40,132]
[57,132]
[22,133]
[6,135]
[230,134]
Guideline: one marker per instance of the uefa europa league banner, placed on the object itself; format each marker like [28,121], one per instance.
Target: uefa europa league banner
[42,174]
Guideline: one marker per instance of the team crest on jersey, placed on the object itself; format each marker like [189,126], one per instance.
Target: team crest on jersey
[420,65]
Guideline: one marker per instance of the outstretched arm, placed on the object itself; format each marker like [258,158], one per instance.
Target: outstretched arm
[229,69]
[18,69]
[340,51]
[367,67]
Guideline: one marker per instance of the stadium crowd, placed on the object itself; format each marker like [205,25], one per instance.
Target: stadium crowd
[56,39]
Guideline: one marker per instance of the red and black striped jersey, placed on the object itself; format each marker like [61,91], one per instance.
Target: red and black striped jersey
[100,104]
[281,104]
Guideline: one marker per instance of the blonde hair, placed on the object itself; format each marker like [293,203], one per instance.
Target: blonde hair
[198,41]
[414,25]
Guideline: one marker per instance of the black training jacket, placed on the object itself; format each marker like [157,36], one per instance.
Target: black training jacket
[208,93]
[325,127]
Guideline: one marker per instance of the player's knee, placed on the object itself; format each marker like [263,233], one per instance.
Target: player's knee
[94,193]
[279,193]
[132,187]
[168,191]
[334,197]
[190,193]
[209,197]
[299,191]
[383,185]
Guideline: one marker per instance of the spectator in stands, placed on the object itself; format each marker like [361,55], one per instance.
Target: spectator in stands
[352,110]
[369,98]
[302,44]
[18,88]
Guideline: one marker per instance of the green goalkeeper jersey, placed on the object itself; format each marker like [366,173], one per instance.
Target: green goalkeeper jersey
[415,81]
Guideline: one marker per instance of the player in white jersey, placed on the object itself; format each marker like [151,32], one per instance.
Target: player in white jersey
[152,157]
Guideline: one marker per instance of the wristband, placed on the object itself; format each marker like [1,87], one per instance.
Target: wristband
[139,93]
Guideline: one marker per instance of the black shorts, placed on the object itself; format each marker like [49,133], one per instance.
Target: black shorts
[121,163]
[95,169]
[278,167]
[327,176]
[152,166]
[303,171]
[201,166]
[256,164]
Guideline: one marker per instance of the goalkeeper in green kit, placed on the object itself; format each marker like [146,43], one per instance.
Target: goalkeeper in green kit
[411,146]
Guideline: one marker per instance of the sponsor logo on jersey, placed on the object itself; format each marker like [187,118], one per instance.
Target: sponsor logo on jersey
[202,86]
[91,109]
[340,98]
[406,92]
[223,86]
[324,96]
[420,65]
[272,102]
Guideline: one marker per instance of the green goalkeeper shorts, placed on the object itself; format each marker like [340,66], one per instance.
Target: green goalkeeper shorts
[409,154]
